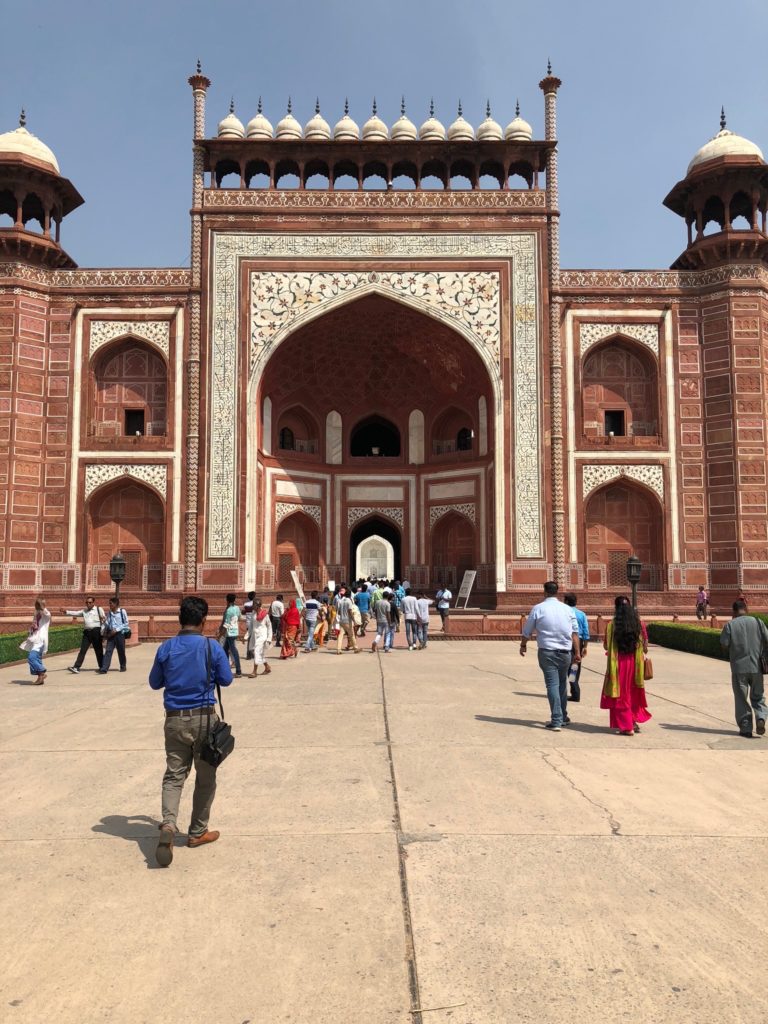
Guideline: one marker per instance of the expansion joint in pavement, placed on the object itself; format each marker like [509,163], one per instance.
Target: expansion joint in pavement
[613,823]
[405,902]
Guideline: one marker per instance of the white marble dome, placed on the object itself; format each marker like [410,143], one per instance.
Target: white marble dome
[404,130]
[317,128]
[288,128]
[518,130]
[374,129]
[725,143]
[231,127]
[21,142]
[432,130]
[489,130]
[258,127]
[461,130]
[346,130]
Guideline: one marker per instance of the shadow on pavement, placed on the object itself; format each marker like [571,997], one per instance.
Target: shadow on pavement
[699,728]
[538,724]
[23,682]
[139,828]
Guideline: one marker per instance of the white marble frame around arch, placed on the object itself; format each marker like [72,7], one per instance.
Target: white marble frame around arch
[228,249]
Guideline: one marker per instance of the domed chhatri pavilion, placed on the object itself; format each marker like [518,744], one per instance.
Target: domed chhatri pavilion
[376,363]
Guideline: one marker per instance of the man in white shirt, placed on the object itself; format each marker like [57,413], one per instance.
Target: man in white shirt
[423,603]
[443,598]
[557,635]
[92,617]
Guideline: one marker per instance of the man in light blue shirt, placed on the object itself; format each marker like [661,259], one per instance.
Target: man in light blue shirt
[574,673]
[557,636]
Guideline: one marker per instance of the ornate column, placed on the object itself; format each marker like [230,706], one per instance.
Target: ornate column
[549,86]
[199,84]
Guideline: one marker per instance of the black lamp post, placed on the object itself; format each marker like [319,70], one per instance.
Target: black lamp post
[117,571]
[634,568]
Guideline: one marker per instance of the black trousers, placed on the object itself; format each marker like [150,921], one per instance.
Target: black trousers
[276,625]
[91,638]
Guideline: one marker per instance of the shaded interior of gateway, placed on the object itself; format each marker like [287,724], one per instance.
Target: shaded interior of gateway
[381,527]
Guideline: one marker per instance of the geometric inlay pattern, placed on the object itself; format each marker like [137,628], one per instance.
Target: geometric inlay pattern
[153,473]
[438,511]
[156,332]
[595,476]
[356,513]
[646,334]
[285,508]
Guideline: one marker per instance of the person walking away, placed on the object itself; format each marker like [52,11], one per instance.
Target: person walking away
[702,603]
[311,611]
[260,638]
[345,622]
[557,637]
[231,624]
[383,623]
[115,628]
[574,672]
[626,643]
[423,603]
[363,602]
[248,613]
[396,600]
[746,639]
[93,619]
[410,609]
[321,627]
[276,612]
[186,668]
[36,643]
[443,598]
[290,624]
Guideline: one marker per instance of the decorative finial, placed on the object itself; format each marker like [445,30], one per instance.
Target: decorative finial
[317,104]
[232,105]
[258,109]
[549,66]
[199,68]
[289,104]
[432,107]
[373,108]
[487,108]
[517,108]
[722,119]
[402,106]
[23,118]
[460,113]
[346,106]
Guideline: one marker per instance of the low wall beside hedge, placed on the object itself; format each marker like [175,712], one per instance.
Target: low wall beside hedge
[60,638]
[681,636]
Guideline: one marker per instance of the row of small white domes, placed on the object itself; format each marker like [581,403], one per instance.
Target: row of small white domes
[374,130]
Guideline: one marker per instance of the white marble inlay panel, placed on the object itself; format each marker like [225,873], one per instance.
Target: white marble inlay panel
[647,334]
[438,511]
[156,332]
[298,489]
[354,514]
[370,492]
[153,473]
[454,489]
[595,476]
[285,508]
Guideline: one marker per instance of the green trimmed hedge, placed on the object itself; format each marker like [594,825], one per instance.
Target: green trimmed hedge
[60,638]
[682,636]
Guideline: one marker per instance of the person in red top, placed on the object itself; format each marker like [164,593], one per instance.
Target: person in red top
[290,625]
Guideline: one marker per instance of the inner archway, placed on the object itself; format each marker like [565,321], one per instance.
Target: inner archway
[375,557]
[382,530]
[375,436]
[622,519]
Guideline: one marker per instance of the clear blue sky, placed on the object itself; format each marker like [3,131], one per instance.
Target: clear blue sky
[105,86]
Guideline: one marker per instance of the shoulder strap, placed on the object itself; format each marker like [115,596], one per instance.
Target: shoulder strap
[122,614]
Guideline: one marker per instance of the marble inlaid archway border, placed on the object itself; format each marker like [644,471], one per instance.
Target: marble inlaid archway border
[227,252]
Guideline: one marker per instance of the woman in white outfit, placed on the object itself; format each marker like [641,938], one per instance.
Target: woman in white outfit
[36,643]
[259,638]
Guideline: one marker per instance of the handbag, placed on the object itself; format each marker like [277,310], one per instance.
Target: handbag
[126,628]
[647,669]
[219,743]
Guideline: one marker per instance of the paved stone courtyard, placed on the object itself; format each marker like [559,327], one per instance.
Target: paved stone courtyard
[399,834]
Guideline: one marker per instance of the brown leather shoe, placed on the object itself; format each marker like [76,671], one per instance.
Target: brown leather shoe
[206,837]
[164,851]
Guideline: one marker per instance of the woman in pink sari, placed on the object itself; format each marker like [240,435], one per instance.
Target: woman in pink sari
[626,644]
[291,623]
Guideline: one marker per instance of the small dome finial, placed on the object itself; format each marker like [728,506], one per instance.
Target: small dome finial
[402,106]
[432,107]
[346,106]
[317,104]
[549,66]
[289,104]
[258,108]
[517,108]
[487,108]
[722,119]
[199,67]
[232,105]
[23,118]
[373,108]
[459,110]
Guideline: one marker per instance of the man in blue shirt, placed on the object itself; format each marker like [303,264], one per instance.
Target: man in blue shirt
[186,667]
[557,640]
[363,601]
[574,673]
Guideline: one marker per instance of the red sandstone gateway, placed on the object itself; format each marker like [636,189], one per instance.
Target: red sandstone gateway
[375,364]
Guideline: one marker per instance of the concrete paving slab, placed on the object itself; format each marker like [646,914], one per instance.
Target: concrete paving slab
[528,929]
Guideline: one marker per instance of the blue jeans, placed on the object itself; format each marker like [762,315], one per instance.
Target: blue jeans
[555,665]
[230,648]
[411,632]
[35,661]
[309,645]
[423,633]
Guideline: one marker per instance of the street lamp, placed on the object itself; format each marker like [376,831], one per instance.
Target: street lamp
[634,568]
[117,571]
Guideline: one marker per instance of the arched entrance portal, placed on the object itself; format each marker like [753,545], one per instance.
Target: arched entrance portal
[377,530]
[375,557]
[622,519]
[129,518]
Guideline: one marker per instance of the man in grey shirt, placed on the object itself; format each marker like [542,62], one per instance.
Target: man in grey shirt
[745,638]
[557,634]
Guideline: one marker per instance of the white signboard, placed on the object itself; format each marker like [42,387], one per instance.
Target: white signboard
[466,586]
[298,587]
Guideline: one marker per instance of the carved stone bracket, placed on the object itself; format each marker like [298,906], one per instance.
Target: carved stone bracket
[356,513]
[155,474]
[646,334]
[596,476]
[465,508]
[155,332]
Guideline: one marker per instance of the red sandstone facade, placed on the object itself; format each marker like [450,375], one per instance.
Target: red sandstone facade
[405,369]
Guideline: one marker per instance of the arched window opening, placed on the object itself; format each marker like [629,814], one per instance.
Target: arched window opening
[297,432]
[287,175]
[287,440]
[375,437]
[620,392]
[257,174]
[345,183]
[404,176]
[32,210]
[460,183]
[7,209]
[130,392]
[464,440]
[740,210]
[434,176]
[227,174]
[375,176]
[620,520]
[404,183]
[491,175]
[713,216]
[317,175]
[452,432]
[317,181]
[462,175]
[517,171]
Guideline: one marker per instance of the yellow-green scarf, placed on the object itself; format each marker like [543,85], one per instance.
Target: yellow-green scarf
[611,685]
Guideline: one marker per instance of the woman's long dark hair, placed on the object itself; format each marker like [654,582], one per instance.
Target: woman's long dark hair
[626,626]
